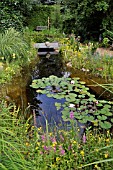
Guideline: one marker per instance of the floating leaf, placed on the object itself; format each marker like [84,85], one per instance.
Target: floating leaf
[83,121]
[39,91]
[50,95]
[58,105]
[82,82]
[91,118]
[112,120]
[99,104]
[105,125]
[102,117]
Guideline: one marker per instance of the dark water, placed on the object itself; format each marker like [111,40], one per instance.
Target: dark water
[20,92]
[44,106]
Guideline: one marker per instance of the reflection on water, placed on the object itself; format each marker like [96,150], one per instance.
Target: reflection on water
[44,106]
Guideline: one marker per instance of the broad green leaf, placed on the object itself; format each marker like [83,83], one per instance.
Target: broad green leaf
[105,125]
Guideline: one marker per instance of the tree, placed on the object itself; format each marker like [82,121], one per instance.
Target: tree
[13,13]
[89,18]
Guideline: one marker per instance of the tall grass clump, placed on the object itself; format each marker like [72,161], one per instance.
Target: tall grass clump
[16,52]
[13,46]
[13,138]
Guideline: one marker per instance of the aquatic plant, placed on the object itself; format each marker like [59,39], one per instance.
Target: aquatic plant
[78,100]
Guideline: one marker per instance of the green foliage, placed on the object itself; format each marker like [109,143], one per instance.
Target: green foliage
[86,57]
[16,52]
[77,99]
[12,138]
[13,13]
[89,18]
[24,147]
[39,16]
[105,42]
[13,46]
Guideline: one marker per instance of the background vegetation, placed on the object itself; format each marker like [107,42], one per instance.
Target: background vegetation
[24,146]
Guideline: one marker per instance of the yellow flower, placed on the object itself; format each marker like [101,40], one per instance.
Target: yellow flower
[13,55]
[82,153]
[36,148]
[106,155]
[96,150]
[74,142]
[50,134]
[40,128]
[54,144]
[107,131]
[57,159]
[96,166]
[38,143]
[27,144]
[107,140]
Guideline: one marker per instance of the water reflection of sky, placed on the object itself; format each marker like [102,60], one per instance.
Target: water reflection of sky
[48,111]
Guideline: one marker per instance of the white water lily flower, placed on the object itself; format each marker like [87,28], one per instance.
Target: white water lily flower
[72,81]
[71,105]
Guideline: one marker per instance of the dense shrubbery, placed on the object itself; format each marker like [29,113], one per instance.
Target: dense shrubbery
[13,13]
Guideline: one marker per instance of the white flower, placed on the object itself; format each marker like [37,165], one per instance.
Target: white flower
[72,81]
[71,105]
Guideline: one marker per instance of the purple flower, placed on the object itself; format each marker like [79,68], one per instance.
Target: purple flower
[71,115]
[84,138]
[62,151]
[69,147]
[54,149]
[53,139]
[62,138]
[43,137]
[45,148]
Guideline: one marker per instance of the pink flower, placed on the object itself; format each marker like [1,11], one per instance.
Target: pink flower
[69,147]
[54,148]
[84,138]
[62,138]
[53,139]
[71,115]
[45,148]
[62,151]
[43,137]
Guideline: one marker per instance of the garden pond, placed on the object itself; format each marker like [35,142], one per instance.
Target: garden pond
[58,93]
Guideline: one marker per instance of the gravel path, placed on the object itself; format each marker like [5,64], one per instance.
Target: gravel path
[105,51]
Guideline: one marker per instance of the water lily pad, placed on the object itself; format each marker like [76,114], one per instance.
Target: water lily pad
[58,105]
[102,117]
[83,121]
[105,125]
[112,120]
[50,95]
[99,104]
[82,82]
